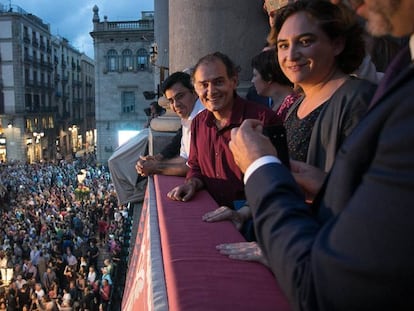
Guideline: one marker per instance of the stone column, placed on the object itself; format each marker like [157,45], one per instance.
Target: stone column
[161,39]
[161,31]
[237,28]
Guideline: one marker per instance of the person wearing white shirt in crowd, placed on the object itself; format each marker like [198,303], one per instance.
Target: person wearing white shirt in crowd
[91,275]
[39,291]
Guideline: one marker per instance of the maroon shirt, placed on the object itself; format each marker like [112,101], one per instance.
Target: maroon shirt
[210,157]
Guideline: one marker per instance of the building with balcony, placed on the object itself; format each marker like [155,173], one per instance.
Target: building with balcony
[123,74]
[43,90]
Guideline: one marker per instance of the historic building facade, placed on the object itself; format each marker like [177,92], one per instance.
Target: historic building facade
[124,78]
[46,91]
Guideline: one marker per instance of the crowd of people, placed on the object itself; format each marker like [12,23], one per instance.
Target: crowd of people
[56,219]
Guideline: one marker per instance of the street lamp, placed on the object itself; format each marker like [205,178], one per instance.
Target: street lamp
[38,136]
[74,133]
[153,53]
[6,276]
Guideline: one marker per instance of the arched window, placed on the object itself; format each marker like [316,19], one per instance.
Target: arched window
[127,60]
[112,58]
[142,59]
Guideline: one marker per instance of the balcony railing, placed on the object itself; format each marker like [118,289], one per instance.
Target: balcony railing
[122,26]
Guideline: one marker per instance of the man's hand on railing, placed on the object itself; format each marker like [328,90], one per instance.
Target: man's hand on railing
[147,165]
[246,251]
[185,191]
[224,213]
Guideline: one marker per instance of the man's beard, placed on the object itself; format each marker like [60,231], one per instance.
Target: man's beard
[379,17]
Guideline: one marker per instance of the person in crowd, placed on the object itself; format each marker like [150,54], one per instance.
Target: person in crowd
[103,228]
[179,92]
[88,299]
[83,263]
[78,287]
[34,303]
[49,304]
[34,254]
[11,297]
[357,235]
[23,296]
[41,265]
[92,276]
[29,270]
[75,293]
[109,266]
[211,164]
[106,275]
[38,289]
[66,300]
[70,258]
[20,281]
[48,278]
[93,253]
[105,294]
[53,291]
[69,276]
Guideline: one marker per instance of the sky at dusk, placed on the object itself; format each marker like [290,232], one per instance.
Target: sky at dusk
[72,19]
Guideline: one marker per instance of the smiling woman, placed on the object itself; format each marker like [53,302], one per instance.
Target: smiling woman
[319,45]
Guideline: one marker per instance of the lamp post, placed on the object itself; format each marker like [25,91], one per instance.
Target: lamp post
[11,148]
[74,139]
[6,276]
[163,71]
[6,272]
[38,149]
[38,136]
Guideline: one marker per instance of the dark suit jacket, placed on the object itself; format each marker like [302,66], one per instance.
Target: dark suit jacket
[357,253]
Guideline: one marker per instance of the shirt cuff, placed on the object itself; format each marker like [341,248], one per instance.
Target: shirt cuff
[258,163]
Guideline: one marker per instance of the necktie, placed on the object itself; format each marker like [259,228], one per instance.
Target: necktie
[400,62]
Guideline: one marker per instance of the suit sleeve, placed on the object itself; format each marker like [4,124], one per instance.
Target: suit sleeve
[361,257]
[285,229]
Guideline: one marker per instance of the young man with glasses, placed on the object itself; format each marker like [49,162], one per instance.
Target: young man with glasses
[179,91]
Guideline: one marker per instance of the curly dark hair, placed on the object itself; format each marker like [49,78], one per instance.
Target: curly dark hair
[336,22]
